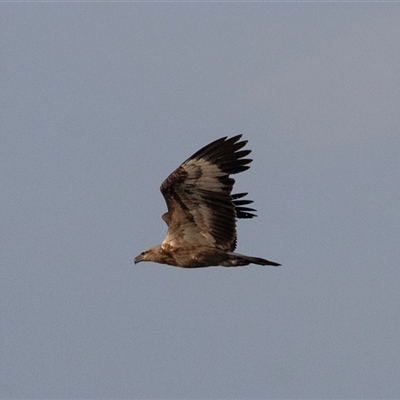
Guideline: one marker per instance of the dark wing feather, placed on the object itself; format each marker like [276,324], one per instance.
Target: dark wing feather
[242,212]
[201,208]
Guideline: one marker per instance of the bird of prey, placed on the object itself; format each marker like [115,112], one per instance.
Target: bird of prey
[202,211]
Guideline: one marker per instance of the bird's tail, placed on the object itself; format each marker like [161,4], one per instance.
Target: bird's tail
[236,259]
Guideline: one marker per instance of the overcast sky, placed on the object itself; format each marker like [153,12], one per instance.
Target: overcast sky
[101,101]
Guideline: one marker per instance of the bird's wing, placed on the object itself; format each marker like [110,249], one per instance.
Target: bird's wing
[201,208]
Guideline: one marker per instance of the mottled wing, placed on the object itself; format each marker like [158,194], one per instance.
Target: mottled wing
[201,208]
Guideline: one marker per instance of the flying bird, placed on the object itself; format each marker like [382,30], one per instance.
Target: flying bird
[202,211]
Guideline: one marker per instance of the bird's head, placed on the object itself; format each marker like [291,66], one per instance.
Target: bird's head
[149,254]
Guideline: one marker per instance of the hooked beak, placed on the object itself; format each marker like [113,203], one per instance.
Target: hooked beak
[138,259]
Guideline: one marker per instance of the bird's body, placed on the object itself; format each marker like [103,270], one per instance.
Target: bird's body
[202,211]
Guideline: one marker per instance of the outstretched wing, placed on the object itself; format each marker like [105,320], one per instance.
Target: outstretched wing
[201,208]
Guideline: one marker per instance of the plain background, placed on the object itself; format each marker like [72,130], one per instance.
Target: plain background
[101,101]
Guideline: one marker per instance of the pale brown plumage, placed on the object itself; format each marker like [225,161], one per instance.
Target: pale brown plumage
[202,211]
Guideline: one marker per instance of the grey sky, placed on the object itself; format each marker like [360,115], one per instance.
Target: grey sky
[101,101]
